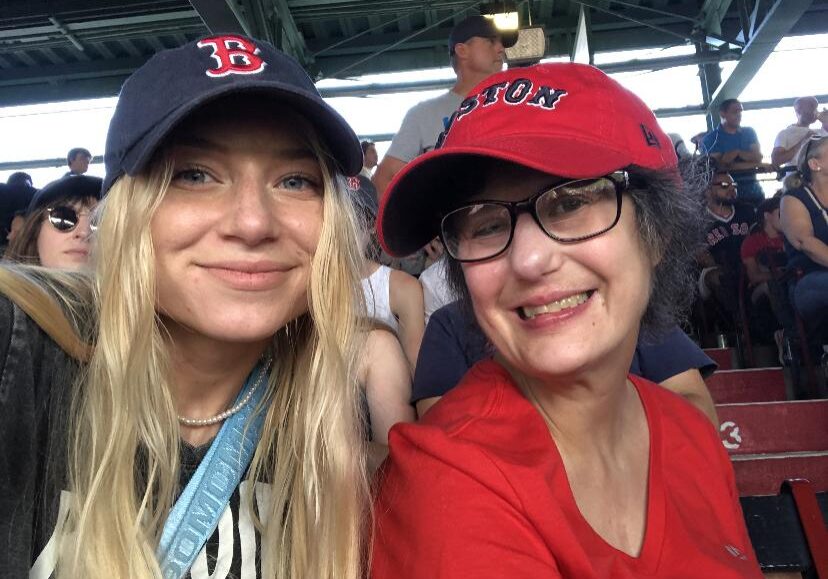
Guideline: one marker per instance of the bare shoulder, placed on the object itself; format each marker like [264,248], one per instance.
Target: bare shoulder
[405,282]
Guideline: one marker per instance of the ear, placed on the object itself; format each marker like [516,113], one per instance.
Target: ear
[461,50]
[814,164]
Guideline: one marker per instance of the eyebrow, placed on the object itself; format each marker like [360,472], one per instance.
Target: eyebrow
[196,142]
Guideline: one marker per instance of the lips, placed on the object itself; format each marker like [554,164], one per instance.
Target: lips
[554,306]
[249,276]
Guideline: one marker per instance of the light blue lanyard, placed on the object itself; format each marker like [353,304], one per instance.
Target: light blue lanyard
[197,511]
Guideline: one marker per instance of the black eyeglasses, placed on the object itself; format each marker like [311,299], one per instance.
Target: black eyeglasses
[65,218]
[569,212]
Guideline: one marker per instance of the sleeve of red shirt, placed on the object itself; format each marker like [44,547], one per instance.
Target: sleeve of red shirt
[750,246]
[444,510]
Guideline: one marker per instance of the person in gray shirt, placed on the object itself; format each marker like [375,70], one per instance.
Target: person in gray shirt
[477,50]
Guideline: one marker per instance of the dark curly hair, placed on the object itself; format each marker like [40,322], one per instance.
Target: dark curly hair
[671,217]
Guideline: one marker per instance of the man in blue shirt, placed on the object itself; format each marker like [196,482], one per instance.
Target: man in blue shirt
[736,150]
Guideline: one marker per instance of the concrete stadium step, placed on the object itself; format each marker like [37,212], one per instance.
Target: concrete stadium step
[763,474]
[768,427]
[724,357]
[749,385]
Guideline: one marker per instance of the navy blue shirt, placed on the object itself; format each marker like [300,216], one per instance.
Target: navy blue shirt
[453,343]
[725,236]
[797,259]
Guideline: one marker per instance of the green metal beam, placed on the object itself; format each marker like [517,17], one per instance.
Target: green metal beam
[56,73]
[219,16]
[777,23]
[296,41]
[712,14]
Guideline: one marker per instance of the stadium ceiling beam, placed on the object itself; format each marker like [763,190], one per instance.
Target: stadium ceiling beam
[362,90]
[278,12]
[103,23]
[221,16]
[777,23]
[712,14]
[52,74]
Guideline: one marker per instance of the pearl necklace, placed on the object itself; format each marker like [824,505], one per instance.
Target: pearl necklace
[221,417]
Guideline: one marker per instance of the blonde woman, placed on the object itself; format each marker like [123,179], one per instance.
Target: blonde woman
[190,409]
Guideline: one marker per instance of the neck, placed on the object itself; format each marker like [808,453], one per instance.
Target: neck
[369,268]
[729,129]
[467,81]
[590,415]
[207,376]
[819,186]
[770,231]
[719,208]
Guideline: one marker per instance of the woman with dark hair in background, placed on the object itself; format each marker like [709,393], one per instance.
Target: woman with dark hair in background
[569,228]
[58,224]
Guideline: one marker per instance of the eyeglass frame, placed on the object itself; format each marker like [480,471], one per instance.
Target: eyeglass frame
[529,205]
[92,225]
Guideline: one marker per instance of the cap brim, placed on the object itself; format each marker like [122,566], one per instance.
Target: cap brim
[424,189]
[333,129]
[77,186]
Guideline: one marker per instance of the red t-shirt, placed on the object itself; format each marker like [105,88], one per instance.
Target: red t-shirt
[756,242]
[478,490]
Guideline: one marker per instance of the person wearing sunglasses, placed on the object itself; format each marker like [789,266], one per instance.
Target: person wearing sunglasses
[805,225]
[190,407]
[730,222]
[570,229]
[58,225]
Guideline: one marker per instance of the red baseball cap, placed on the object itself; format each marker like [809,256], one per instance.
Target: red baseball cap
[565,119]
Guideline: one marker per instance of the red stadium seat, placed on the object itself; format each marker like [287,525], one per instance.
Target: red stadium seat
[771,427]
[763,474]
[754,385]
[722,356]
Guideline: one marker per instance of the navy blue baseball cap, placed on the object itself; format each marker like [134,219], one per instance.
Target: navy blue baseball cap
[480,26]
[72,186]
[174,83]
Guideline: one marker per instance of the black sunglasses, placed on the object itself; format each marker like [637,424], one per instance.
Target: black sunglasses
[568,212]
[65,218]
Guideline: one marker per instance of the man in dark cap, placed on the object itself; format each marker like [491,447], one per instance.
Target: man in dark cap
[476,50]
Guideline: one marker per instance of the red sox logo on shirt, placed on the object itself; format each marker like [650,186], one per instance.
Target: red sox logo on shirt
[234,55]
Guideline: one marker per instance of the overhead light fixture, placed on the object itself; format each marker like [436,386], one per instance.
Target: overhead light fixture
[503,14]
[529,48]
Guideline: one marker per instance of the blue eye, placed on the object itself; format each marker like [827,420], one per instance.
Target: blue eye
[297,183]
[191,176]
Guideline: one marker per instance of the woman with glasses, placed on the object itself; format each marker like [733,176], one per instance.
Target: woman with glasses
[805,225]
[58,224]
[569,230]
[191,408]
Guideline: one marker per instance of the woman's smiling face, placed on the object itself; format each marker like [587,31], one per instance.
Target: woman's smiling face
[558,309]
[236,232]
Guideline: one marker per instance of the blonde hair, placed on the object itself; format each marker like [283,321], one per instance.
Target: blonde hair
[803,174]
[124,421]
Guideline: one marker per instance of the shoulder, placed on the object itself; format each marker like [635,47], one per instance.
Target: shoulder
[749,132]
[744,211]
[486,411]
[671,354]
[680,421]
[405,283]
